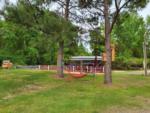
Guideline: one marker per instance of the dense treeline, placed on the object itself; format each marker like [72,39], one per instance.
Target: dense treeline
[29,35]
[24,45]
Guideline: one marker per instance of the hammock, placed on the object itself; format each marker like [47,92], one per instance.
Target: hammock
[77,74]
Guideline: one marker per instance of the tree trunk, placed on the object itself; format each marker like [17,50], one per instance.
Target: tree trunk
[60,63]
[60,60]
[107,69]
[145,56]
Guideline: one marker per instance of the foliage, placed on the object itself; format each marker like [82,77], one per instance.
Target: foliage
[97,42]
[14,40]
[39,34]
[128,35]
[22,45]
[131,63]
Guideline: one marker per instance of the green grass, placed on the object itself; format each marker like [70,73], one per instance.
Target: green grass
[34,91]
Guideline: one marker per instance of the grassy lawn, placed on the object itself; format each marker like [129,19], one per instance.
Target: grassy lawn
[33,91]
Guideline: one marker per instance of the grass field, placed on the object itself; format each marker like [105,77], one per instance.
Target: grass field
[33,91]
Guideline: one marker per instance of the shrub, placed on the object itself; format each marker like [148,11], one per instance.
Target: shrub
[13,59]
[129,63]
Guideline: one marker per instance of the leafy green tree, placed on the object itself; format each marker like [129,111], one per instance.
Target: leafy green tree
[18,42]
[81,51]
[47,23]
[129,28]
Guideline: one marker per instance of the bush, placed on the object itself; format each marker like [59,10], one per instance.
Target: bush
[13,59]
[129,63]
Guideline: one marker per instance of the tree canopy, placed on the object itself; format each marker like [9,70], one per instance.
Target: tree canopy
[39,31]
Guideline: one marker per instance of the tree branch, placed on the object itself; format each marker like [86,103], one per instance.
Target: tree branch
[116,14]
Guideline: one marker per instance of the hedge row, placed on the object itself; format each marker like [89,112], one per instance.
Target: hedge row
[129,63]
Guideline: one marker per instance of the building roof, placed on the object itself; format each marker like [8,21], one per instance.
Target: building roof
[87,58]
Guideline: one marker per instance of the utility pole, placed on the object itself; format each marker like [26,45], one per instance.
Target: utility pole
[145,54]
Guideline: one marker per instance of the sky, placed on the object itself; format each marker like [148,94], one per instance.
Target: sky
[145,12]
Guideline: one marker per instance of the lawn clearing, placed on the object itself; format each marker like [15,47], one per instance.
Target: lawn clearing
[34,91]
